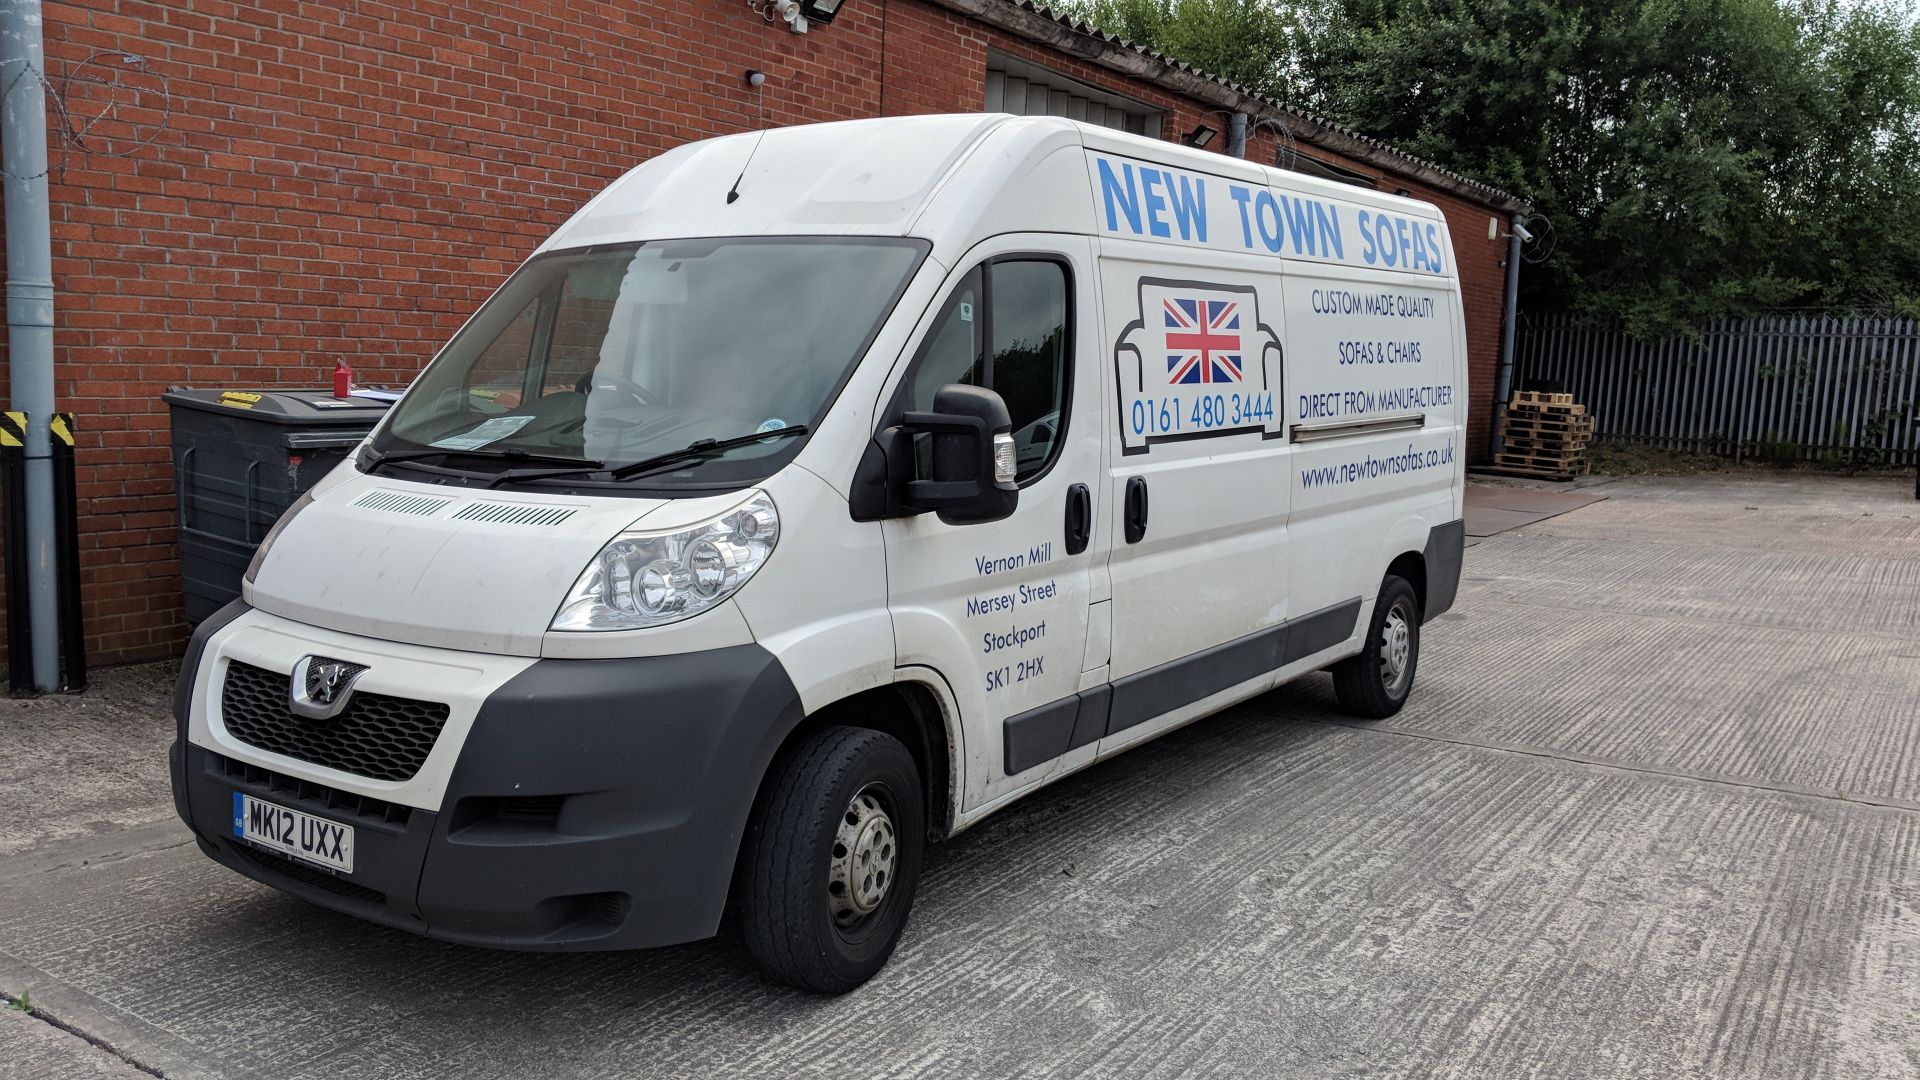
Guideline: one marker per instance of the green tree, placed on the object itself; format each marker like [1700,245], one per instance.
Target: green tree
[1695,157]
[1242,41]
[1849,199]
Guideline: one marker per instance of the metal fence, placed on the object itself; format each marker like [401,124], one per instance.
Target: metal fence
[1779,387]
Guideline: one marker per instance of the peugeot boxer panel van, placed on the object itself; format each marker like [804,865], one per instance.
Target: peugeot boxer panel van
[814,493]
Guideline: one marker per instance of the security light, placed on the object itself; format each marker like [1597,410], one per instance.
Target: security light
[820,11]
[1200,136]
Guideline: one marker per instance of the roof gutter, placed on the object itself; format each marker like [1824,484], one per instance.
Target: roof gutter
[1112,53]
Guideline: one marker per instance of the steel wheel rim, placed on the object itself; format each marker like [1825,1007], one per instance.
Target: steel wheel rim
[1396,648]
[864,859]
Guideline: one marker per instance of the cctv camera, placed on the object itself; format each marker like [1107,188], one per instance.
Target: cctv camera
[1520,231]
[790,11]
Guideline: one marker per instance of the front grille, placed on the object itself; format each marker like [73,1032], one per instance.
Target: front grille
[312,797]
[307,875]
[376,736]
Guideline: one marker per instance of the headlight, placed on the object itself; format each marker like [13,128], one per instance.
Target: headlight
[260,553]
[644,579]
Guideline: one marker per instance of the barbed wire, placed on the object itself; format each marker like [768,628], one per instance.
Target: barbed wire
[103,79]
[1541,247]
[1286,153]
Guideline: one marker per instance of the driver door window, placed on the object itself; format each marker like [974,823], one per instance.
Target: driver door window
[1004,327]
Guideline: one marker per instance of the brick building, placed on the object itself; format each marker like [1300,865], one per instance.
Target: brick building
[244,191]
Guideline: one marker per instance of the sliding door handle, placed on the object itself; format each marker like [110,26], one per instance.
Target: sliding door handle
[1136,508]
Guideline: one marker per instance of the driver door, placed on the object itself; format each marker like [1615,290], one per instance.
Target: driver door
[1002,610]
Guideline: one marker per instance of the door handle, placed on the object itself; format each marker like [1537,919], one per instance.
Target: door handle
[1136,508]
[1079,518]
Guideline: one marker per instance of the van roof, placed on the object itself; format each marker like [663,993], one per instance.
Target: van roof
[890,176]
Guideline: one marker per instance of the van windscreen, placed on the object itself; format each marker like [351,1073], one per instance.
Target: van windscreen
[620,354]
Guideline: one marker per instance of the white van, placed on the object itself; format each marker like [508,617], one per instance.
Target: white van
[815,493]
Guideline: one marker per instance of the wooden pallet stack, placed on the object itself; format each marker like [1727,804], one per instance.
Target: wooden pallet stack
[1546,436]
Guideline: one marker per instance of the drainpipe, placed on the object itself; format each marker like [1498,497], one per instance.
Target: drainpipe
[1503,384]
[23,154]
[1237,135]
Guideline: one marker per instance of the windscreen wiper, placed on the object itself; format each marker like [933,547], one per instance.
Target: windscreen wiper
[411,458]
[505,454]
[700,448]
[694,450]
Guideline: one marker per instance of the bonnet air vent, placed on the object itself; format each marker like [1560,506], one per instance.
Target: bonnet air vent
[514,514]
[400,502]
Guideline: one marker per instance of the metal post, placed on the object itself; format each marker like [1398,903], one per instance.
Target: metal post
[1503,384]
[1237,135]
[23,155]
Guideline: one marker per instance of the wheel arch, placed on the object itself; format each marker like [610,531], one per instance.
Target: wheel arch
[1412,566]
[912,710]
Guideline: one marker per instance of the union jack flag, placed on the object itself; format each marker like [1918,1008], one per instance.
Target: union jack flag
[1203,340]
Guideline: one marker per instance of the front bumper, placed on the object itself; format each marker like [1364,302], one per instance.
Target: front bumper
[592,804]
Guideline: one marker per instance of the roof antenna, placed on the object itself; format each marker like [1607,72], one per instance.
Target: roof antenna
[734,191]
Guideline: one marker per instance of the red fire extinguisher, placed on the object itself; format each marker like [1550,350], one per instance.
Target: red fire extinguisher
[342,379]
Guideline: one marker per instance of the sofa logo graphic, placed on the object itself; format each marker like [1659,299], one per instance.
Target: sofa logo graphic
[1197,363]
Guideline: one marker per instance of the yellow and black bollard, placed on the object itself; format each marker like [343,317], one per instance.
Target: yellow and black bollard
[66,515]
[13,491]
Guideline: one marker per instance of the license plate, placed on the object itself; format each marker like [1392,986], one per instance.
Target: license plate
[293,833]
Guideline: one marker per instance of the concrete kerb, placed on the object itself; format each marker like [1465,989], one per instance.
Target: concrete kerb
[140,1045]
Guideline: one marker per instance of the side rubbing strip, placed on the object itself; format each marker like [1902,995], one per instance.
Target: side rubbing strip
[1091,725]
[1037,736]
[1150,693]
[1145,695]
[1323,629]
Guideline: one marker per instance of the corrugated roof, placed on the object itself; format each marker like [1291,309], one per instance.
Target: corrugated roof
[1041,24]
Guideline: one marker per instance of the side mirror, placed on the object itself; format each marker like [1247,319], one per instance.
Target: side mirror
[972,466]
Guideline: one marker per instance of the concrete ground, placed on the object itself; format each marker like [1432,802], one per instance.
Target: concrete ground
[1654,811]
[1493,507]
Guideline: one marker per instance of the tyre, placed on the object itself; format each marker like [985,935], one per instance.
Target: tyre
[1375,683]
[832,859]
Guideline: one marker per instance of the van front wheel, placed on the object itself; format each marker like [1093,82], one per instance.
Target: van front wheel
[832,860]
[1376,683]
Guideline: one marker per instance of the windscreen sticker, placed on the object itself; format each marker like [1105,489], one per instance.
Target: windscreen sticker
[1197,363]
[489,431]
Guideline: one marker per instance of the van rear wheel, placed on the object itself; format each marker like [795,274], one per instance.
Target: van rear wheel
[833,859]
[1374,684]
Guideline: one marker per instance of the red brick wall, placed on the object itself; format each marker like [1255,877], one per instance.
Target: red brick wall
[350,180]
